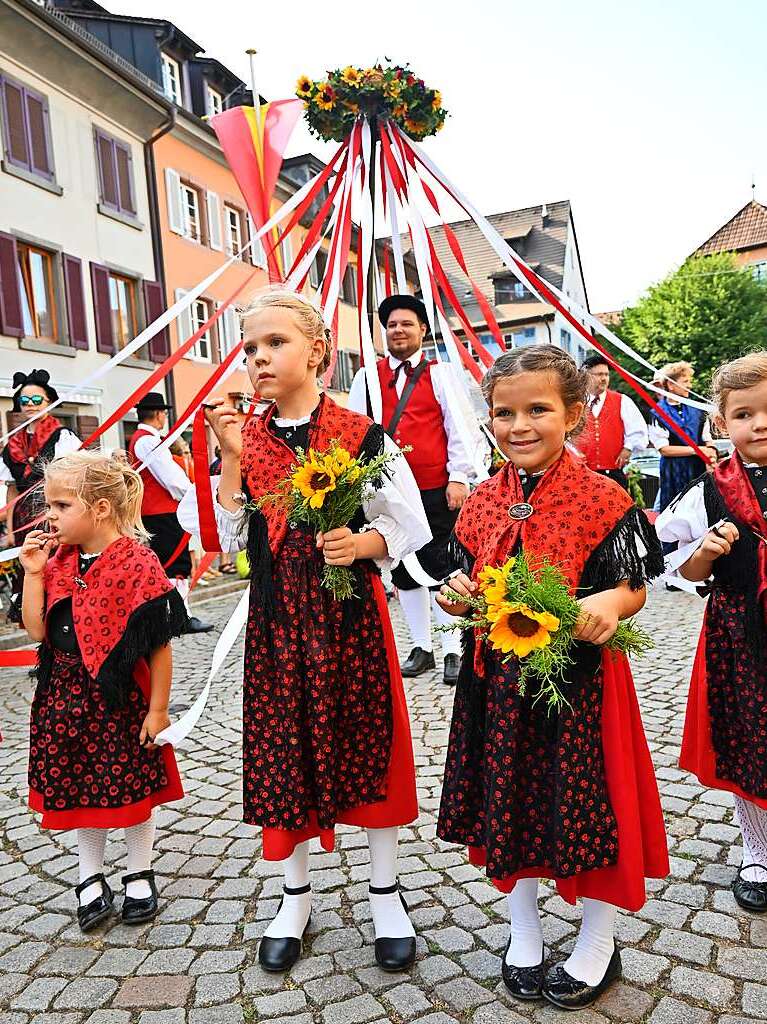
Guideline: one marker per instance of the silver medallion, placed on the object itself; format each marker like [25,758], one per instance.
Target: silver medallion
[520,510]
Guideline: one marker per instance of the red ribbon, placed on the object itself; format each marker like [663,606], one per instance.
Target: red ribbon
[16,658]
[208,528]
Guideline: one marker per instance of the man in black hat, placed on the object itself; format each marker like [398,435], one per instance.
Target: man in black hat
[417,413]
[165,484]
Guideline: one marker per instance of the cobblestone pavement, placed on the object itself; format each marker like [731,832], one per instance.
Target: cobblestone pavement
[689,957]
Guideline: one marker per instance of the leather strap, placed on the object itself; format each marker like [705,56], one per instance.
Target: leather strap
[404,398]
[745,867]
[90,881]
[296,892]
[138,876]
[385,890]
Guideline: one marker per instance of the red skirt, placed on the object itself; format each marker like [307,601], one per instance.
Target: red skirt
[86,767]
[633,792]
[400,807]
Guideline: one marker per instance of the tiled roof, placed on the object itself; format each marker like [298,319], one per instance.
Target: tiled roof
[746,230]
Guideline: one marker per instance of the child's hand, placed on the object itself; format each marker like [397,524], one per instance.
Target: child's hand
[462,585]
[598,619]
[154,722]
[338,546]
[718,541]
[225,422]
[35,551]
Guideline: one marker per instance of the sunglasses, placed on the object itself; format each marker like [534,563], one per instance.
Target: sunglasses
[32,400]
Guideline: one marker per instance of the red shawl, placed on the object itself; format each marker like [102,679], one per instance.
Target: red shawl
[733,483]
[267,460]
[125,577]
[25,447]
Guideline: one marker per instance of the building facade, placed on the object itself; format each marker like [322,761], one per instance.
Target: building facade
[744,235]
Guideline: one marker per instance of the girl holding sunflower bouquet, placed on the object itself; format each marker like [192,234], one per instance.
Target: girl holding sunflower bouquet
[326,737]
[566,793]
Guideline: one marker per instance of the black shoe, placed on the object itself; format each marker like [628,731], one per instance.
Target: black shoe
[277,955]
[524,983]
[97,910]
[393,954]
[137,911]
[452,668]
[418,661]
[750,895]
[568,993]
[196,625]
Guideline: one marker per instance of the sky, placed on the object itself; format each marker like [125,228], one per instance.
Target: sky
[648,115]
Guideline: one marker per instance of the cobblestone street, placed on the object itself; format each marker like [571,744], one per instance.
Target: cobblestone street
[689,957]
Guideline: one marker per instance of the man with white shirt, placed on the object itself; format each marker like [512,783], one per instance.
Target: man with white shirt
[416,414]
[165,484]
[615,428]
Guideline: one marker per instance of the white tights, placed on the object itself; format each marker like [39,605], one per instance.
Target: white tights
[753,826]
[417,607]
[91,843]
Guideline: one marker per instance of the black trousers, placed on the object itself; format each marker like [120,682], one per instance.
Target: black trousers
[432,556]
[166,534]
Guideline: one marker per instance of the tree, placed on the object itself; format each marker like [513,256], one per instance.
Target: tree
[708,311]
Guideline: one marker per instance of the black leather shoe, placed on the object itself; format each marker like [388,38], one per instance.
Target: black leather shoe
[137,911]
[750,895]
[452,668]
[97,910]
[393,954]
[196,625]
[523,982]
[566,992]
[418,661]
[278,955]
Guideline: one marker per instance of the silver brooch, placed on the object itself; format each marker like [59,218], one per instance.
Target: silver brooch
[81,583]
[521,510]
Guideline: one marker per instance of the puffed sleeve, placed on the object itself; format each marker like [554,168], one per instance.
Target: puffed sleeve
[232,526]
[395,509]
[684,524]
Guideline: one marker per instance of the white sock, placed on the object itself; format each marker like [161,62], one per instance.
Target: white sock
[293,915]
[90,850]
[596,942]
[526,947]
[182,586]
[753,826]
[390,919]
[139,839]
[451,642]
[415,607]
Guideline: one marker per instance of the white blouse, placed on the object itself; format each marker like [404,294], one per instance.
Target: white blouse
[395,510]
[684,523]
[67,442]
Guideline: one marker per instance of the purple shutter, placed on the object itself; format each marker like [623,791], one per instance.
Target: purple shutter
[102,308]
[37,117]
[15,127]
[154,304]
[124,172]
[10,299]
[73,289]
[107,171]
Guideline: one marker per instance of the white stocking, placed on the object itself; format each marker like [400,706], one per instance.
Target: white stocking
[90,849]
[293,915]
[596,942]
[139,839]
[415,607]
[390,919]
[753,826]
[526,947]
[182,586]
[451,642]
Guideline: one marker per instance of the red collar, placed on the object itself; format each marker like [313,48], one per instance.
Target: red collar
[24,446]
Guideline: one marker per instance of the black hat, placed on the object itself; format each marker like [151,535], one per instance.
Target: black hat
[152,401]
[39,378]
[393,302]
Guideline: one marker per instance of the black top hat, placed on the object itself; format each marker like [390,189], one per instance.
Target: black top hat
[152,401]
[402,302]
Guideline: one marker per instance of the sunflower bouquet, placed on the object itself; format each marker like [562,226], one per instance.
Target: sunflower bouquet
[528,614]
[324,491]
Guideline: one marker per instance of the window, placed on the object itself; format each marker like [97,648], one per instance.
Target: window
[509,290]
[190,209]
[203,349]
[38,296]
[233,228]
[214,101]
[171,79]
[122,304]
[488,340]
[518,339]
[115,167]
[229,332]
[286,255]
[257,251]
[759,270]
[566,341]
[347,364]
[317,269]
[26,130]
[349,287]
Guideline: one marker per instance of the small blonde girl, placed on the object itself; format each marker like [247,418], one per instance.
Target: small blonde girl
[104,612]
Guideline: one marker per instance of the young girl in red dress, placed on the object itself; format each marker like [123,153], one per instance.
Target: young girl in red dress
[569,796]
[718,530]
[101,605]
[326,737]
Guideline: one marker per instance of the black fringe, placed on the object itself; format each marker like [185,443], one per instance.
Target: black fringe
[260,560]
[152,625]
[42,670]
[617,558]
[458,557]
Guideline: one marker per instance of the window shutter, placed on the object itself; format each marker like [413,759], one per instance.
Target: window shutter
[125,178]
[107,170]
[154,303]
[257,251]
[173,195]
[183,321]
[232,328]
[286,249]
[214,221]
[16,135]
[10,299]
[102,308]
[73,289]
[86,425]
[36,120]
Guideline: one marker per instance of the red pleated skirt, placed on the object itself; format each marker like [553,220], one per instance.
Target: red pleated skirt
[401,804]
[633,791]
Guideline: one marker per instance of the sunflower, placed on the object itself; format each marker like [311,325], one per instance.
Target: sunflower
[314,480]
[304,87]
[493,583]
[517,629]
[400,110]
[326,96]
[374,77]
[393,88]
[352,76]
[436,101]
[414,127]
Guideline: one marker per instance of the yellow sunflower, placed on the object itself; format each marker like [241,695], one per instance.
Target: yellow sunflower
[517,629]
[304,87]
[351,76]
[338,460]
[400,110]
[314,480]
[414,127]
[326,96]
[437,100]
[393,88]
[492,582]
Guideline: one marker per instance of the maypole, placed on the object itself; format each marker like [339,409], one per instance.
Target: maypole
[372,268]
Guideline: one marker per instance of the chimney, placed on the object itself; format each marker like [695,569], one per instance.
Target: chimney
[544,214]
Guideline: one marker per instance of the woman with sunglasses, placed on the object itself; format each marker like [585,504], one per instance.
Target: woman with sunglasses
[29,450]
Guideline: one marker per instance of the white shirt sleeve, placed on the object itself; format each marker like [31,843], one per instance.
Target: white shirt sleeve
[6,476]
[163,467]
[460,467]
[635,435]
[67,442]
[685,524]
[659,436]
[358,393]
[232,526]
[396,510]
